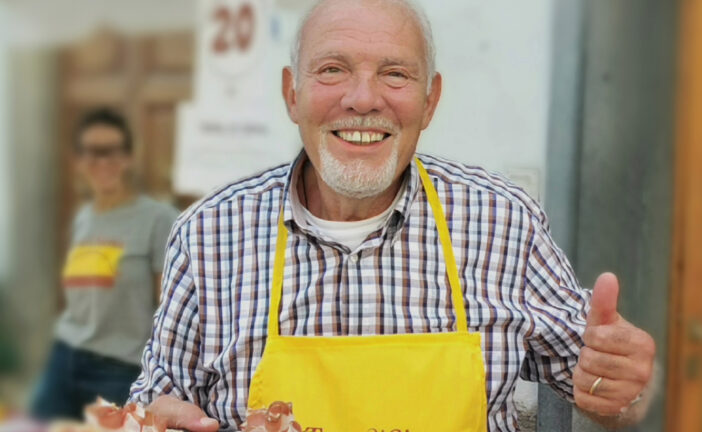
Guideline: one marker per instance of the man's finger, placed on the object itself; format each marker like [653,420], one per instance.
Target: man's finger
[621,339]
[613,366]
[603,308]
[596,404]
[615,390]
[179,414]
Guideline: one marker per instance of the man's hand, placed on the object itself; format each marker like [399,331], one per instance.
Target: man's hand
[182,415]
[615,350]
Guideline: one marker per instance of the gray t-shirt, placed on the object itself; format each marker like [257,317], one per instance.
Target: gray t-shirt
[109,277]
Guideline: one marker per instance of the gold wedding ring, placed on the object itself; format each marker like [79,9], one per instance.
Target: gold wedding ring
[596,384]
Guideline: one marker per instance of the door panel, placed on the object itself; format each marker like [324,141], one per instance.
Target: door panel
[158,130]
[685,354]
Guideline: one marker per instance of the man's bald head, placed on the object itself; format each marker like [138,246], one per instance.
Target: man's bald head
[412,10]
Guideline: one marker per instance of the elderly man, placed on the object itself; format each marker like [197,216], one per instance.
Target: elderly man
[374,289]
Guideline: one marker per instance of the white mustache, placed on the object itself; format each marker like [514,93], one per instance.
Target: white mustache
[364,122]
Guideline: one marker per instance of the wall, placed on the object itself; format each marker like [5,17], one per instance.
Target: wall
[31,294]
[496,61]
[563,163]
[53,22]
[4,152]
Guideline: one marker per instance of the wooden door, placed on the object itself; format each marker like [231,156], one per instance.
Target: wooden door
[164,81]
[684,401]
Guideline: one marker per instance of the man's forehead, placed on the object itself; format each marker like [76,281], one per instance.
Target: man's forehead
[369,23]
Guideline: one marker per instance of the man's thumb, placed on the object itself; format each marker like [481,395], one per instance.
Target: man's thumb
[179,414]
[603,307]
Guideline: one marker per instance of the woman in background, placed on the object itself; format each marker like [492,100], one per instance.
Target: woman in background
[111,277]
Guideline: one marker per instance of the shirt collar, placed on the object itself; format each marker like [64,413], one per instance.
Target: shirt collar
[292,205]
[290,194]
[409,194]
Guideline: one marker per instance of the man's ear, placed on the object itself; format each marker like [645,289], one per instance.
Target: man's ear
[289,94]
[432,100]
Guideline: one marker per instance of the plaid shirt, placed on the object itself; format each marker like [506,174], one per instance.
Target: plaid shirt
[520,292]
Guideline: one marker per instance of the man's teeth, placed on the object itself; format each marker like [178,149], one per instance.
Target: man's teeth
[358,137]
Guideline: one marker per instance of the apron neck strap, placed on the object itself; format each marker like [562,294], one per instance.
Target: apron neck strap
[442,228]
[278,272]
[451,268]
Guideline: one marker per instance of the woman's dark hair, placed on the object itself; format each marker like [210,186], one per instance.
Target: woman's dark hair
[108,117]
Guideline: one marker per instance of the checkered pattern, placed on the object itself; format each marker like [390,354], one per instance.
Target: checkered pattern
[520,292]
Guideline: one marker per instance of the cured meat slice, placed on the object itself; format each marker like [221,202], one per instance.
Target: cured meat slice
[276,418]
[103,416]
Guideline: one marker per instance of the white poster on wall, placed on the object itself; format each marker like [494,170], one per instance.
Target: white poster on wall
[236,125]
[226,147]
[233,52]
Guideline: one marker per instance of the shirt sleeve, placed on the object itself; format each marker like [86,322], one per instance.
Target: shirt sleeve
[159,237]
[171,361]
[559,308]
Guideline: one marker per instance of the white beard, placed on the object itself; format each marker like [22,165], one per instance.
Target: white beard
[356,179]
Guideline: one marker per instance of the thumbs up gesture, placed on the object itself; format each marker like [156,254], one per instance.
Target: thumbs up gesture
[616,363]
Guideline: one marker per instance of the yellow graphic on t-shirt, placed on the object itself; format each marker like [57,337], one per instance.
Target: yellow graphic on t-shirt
[92,265]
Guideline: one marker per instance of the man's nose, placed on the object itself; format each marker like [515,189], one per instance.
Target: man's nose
[363,96]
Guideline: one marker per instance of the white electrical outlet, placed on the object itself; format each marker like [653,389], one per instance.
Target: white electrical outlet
[528,179]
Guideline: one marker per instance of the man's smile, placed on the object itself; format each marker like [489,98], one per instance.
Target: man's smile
[361,137]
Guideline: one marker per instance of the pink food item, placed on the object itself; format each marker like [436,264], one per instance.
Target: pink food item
[104,416]
[277,418]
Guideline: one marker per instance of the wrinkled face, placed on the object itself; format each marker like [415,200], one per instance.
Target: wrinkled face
[102,158]
[360,99]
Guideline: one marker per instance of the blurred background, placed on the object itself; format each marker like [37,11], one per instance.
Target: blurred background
[593,106]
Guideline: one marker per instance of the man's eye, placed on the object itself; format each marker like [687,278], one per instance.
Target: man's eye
[397,74]
[331,74]
[396,78]
[331,69]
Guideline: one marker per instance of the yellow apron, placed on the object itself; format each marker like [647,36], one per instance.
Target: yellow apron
[385,383]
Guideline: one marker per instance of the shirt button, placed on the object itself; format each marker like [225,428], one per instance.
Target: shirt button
[353,258]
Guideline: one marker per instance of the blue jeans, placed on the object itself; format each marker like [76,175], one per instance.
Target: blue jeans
[74,378]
